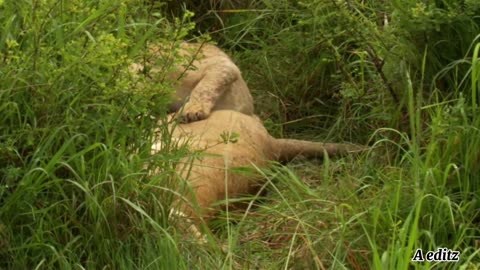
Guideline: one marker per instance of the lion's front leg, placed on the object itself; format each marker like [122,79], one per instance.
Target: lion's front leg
[204,96]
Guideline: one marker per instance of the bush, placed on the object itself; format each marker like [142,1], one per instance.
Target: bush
[76,135]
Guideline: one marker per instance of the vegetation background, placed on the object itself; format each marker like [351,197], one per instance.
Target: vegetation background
[399,75]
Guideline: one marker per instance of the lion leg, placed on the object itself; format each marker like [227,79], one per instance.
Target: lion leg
[189,227]
[214,83]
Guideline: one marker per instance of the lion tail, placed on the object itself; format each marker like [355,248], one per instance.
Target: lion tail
[287,149]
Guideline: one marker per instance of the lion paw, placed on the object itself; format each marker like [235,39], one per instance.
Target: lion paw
[194,112]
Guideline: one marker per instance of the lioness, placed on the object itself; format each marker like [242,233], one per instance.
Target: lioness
[231,140]
[206,79]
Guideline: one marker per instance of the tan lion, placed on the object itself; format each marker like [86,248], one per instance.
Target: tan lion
[230,140]
[206,80]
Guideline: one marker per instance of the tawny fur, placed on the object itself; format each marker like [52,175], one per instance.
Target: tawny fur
[211,178]
[206,80]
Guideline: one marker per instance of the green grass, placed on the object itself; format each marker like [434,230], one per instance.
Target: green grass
[75,137]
